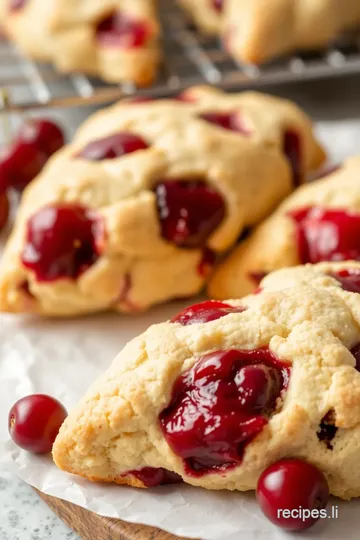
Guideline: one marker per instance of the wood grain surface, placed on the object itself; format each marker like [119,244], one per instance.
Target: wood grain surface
[90,526]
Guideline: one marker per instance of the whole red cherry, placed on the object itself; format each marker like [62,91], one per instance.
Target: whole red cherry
[287,488]
[34,422]
[24,159]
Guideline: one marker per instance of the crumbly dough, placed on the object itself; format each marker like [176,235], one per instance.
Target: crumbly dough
[63,32]
[255,31]
[304,317]
[250,172]
[272,244]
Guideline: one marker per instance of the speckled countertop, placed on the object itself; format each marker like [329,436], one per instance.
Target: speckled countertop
[24,516]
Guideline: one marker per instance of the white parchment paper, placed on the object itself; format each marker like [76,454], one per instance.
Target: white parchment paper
[62,358]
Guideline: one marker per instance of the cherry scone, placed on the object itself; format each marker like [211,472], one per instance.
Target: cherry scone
[116,40]
[254,31]
[318,222]
[225,389]
[136,209]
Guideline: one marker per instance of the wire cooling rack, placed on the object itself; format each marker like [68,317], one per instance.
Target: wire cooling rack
[190,58]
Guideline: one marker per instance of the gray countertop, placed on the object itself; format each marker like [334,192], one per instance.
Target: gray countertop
[336,108]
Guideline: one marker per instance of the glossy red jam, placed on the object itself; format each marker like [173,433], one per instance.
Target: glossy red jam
[218,5]
[292,150]
[207,311]
[349,279]
[113,147]
[327,235]
[220,405]
[327,430]
[227,120]
[62,242]
[189,212]
[122,30]
[151,477]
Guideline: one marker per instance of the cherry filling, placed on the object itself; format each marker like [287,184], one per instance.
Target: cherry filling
[257,277]
[327,235]
[62,242]
[16,5]
[327,429]
[292,150]
[218,5]
[227,120]
[220,405]
[207,311]
[113,146]
[349,279]
[122,30]
[189,212]
[207,262]
[152,477]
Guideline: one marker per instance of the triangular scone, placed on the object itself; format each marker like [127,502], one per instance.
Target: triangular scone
[116,40]
[168,408]
[258,30]
[318,222]
[136,209]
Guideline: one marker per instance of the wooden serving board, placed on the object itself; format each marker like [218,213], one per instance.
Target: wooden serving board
[90,526]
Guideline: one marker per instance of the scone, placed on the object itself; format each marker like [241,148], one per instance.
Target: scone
[116,40]
[206,14]
[215,395]
[258,30]
[136,209]
[318,222]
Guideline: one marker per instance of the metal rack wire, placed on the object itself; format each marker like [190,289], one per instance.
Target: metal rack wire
[190,58]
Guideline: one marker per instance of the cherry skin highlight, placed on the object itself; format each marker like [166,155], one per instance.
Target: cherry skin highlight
[113,146]
[326,234]
[62,242]
[152,477]
[226,120]
[207,311]
[220,405]
[290,484]
[189,212]
[34,422]
[122,31]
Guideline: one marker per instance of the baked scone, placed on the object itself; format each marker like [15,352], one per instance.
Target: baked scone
[206,14]
[258,30]
[318,222]
[116,40]
[223,390]
[136,209]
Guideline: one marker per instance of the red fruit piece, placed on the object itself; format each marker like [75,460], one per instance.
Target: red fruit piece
[326,234]
[62,242]
[34,422]
[227,120]
[122,30]
[152,477]
[220,405]
[113,146]
[189,212]
[24,159]
[207,262]
[207,311]
[218,5]
[257,277]
[349,279]
[327,429]
[292,150]
[292,484]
